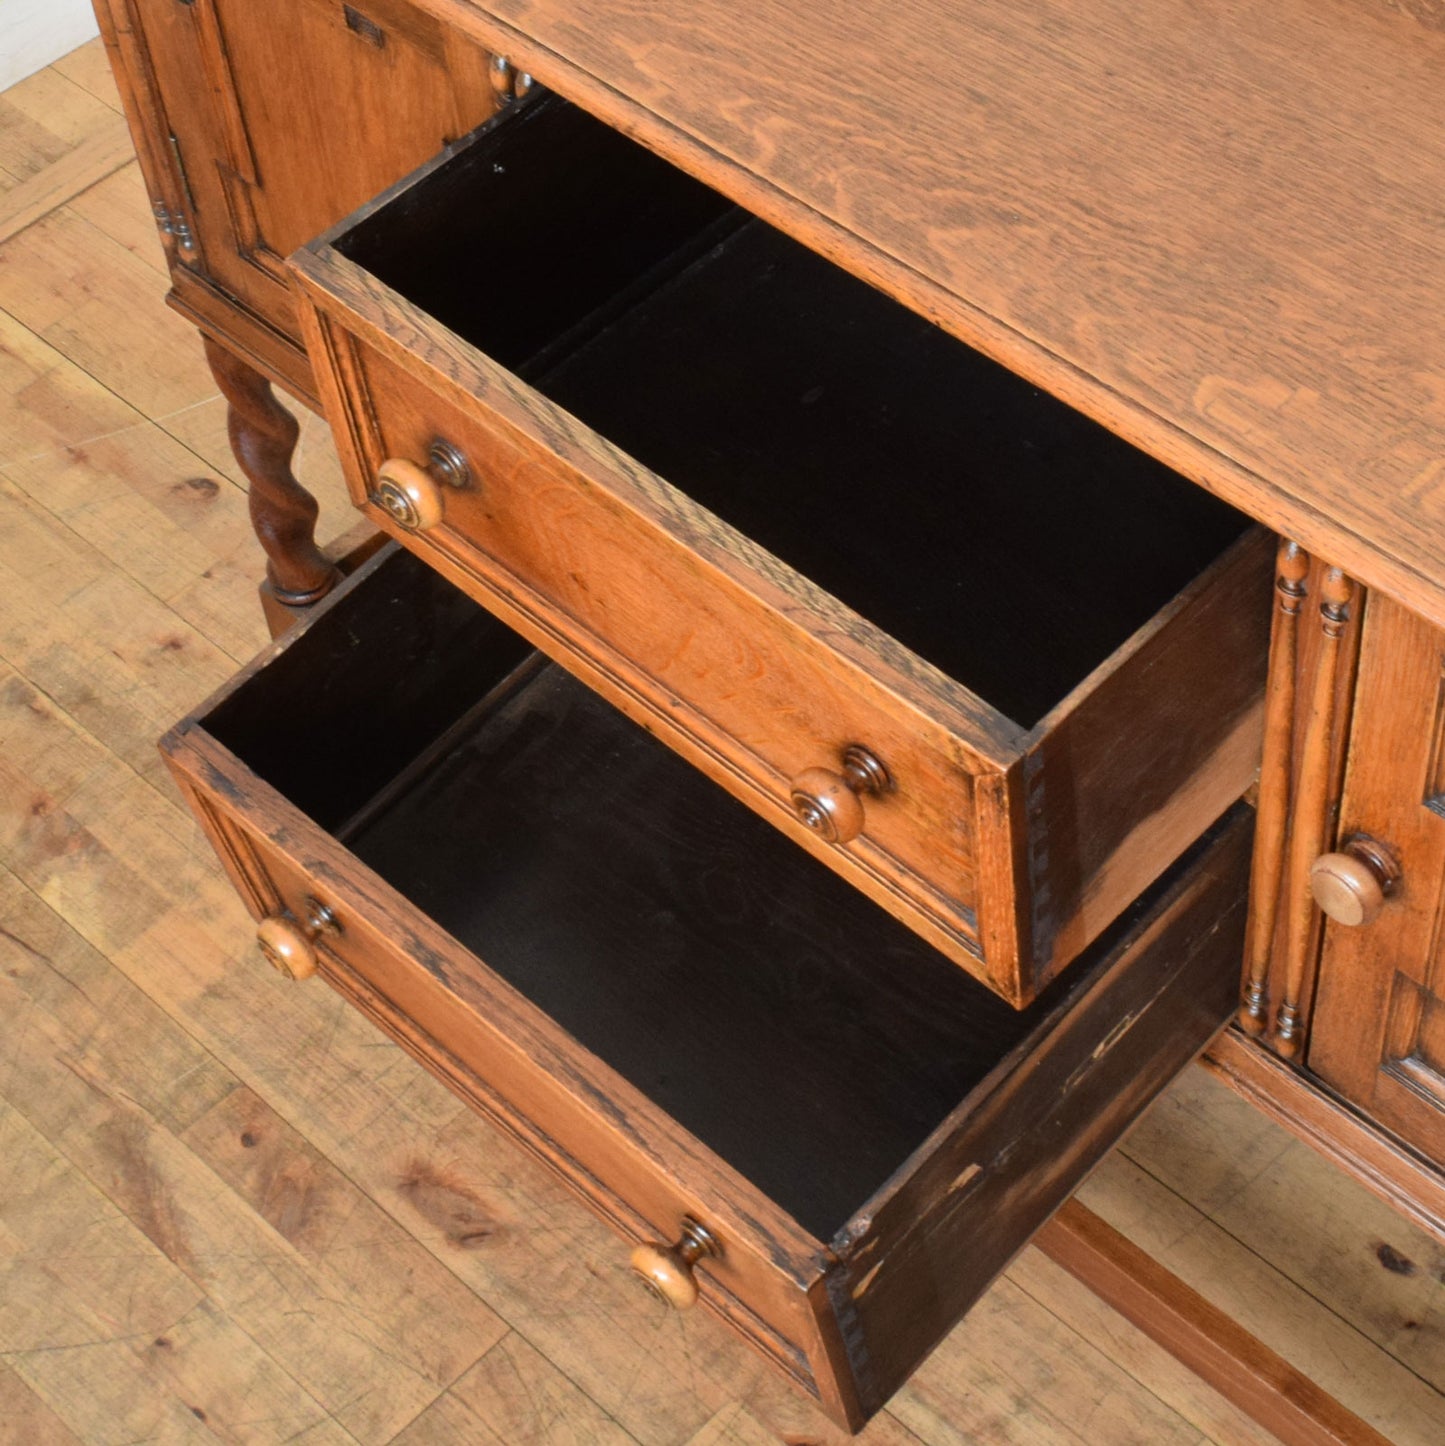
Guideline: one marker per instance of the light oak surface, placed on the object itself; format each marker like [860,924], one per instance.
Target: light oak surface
[229,1209]
[1214,228]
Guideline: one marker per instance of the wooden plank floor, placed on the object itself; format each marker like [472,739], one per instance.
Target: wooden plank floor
[229,1209]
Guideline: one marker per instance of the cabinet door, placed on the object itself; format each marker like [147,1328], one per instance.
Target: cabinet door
[264,121]
[1378,1032]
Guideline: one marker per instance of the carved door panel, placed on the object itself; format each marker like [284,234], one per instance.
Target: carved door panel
[1378,1033]
[280,116]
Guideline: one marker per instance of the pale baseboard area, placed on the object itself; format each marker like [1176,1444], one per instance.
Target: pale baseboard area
[35,32]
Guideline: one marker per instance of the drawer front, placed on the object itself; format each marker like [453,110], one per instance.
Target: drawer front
[851,1324]
[402,759]
[392,963]
[670,639]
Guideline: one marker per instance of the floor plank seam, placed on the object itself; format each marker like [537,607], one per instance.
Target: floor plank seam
[169,961]
[1299,1285]
[1164,1404]
[166,603]
[91,161]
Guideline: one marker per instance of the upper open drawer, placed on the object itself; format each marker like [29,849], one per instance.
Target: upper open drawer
[991,663]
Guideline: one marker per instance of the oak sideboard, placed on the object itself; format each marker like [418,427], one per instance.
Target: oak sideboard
[918,610]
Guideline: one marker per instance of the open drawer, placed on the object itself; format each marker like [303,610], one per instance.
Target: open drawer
[713,1037]
[994,665]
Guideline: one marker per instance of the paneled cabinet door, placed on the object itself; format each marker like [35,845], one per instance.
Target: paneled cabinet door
[1378,1033]
[261,122]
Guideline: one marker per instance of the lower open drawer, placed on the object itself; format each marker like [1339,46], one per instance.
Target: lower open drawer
[712,1036]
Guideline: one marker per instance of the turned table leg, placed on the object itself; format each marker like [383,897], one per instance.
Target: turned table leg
[283,513]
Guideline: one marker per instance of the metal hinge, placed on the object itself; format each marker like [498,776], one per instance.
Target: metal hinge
[185,180]
[173,223]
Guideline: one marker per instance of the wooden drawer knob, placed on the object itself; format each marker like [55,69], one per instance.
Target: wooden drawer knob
[830,803]
[666,1270]
[415,496]
[288,943]
[1351,886]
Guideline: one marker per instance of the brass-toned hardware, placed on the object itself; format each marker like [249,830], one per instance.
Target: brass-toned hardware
[667,1270]
[288,944]
[508,82]
[1351,886]
[447,463]
[831,804]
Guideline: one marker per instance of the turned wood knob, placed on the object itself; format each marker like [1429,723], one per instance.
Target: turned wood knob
[408,494]
[288,943]
[830,803]
[1351,886]
[666,1270]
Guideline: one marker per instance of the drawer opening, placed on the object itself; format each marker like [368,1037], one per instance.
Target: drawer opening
[1000,535]
[798,1031]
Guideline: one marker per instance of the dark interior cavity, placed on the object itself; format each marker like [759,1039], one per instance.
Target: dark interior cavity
[994,531]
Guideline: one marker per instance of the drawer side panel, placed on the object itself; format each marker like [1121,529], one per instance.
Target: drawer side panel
[1017,1155]
[1127,774]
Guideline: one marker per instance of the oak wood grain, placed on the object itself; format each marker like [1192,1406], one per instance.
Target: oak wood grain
[1156,240]
[139,947]
[139,962]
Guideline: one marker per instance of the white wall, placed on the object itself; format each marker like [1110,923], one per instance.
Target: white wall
[35,32]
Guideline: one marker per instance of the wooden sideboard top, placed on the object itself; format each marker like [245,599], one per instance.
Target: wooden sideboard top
[1218,228]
